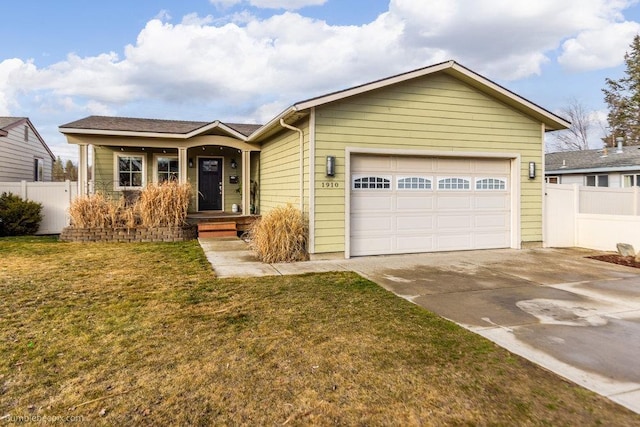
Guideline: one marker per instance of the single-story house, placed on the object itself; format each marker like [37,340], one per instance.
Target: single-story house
[603,167]
[23,153]
[435,159]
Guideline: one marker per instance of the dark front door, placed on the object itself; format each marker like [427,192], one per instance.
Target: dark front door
[209,184]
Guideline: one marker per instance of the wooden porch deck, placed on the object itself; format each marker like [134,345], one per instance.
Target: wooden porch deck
[242,222]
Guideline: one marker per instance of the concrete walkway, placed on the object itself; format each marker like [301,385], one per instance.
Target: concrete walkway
[575,316]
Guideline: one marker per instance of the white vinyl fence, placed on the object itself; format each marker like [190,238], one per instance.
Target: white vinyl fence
[591,217]
[55,197]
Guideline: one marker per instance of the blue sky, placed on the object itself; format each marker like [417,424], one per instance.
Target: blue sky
[246,60]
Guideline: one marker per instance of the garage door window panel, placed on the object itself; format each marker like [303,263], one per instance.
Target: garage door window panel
[454,183]
[414,183]
[491,184]
[371,182]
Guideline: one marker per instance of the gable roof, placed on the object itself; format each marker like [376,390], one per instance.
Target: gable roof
[551,121]
[599,160]
[130,126]
[8,123]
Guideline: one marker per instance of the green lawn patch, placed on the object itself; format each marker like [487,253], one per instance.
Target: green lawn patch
[145,334]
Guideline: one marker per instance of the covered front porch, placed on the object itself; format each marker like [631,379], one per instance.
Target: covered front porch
[222,171]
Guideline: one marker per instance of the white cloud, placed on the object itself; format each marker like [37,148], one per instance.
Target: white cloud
[599,48]
[270,4]
[252,67]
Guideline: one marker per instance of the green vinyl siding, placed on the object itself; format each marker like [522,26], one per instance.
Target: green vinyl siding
[104,179]
[280,170]
[435,113]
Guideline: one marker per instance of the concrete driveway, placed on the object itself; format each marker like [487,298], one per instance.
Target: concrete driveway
[575,316]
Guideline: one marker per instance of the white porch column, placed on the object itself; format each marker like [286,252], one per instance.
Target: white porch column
[83,171]
[246,182]
[182,165]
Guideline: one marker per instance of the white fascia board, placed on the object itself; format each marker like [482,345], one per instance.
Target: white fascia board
[336,96]
[75,131]
[592,170]
[559,121]
[273,122]
[199,131]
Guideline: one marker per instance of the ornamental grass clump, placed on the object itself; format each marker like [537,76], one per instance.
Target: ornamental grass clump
[161,205]
[164,205]
[280,236]
[92,211]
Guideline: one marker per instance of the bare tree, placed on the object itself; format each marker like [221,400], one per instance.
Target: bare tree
[583,123]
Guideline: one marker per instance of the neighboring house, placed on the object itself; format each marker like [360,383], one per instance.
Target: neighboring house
[435,159]
[23,153]
[604,167]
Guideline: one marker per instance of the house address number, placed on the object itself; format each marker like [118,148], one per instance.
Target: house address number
[331,184]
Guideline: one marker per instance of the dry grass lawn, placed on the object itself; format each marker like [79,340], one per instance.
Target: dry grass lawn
[134,334]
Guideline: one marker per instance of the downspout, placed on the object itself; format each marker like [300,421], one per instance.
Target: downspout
[287,126]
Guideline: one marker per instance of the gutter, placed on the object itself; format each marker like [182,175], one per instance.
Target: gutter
[301,133]
[592,170]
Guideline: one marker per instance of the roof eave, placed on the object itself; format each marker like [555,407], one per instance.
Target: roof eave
[590,170]
[102,132]
[551,121]
[271,124]
[142,134]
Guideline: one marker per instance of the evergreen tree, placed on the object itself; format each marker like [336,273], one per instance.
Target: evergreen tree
[58,170]
[623,99]
[71,171]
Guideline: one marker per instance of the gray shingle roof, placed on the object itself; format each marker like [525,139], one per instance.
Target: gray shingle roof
[8,121]
[132,124]
[566,161]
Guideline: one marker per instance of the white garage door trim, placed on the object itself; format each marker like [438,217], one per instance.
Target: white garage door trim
[515,178]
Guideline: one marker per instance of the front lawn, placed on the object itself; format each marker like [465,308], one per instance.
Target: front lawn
[144,334]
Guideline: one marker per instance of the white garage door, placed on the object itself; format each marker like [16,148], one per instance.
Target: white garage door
[419,204]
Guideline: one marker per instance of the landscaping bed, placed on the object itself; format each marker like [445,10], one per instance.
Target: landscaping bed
[144,334]
[628,261]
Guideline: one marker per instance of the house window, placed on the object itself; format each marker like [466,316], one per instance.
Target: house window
[129,171]
[552,180]
[414,183]
[166,169]
[453,184]
[597,180]
[38,169]
[491,184]
[631,181]
[26,133]
[371,183]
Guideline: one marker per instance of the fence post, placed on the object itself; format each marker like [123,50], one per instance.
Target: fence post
[576,212]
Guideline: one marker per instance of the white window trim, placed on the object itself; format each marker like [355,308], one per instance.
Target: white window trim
[466,178]
[116,175]
[371,175]
[156,156]
[636,180]
[597,179]
[495,178]
[426,178]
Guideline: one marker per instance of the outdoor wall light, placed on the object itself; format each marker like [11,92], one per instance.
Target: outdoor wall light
[331,165]
[190,163]
[532,170]
[233,164]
